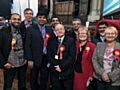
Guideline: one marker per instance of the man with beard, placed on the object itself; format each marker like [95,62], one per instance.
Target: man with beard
[100,36]
[36,51]
[54,21]
[12,59]
[76,24]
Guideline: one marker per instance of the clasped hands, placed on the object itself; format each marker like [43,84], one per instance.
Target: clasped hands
[105,77]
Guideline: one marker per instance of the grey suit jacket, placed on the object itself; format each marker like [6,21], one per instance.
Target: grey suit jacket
[97,61]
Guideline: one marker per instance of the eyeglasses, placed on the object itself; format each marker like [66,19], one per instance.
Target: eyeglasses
[82,33]
[110,34]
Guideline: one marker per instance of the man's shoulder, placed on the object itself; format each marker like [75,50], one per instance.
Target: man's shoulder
[69,38]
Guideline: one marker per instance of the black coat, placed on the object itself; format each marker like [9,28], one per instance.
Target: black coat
[34,44]
[23,29]
[5,45]
[72,35]
[66,64]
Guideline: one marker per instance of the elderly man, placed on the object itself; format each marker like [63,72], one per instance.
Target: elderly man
[61,55]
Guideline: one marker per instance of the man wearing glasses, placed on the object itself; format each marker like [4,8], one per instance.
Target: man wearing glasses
[76,24]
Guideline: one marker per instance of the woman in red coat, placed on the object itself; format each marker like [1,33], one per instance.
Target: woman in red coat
[83,68]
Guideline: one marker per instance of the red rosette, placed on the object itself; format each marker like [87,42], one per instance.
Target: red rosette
[47,36]
[116,54]
[13,43]
[61,49]
[87,49]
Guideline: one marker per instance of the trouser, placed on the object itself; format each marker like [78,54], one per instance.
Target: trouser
[62,84]
[44,74]
[9,75]
[102,85]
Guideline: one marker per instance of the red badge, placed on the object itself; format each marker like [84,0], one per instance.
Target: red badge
[61,48]
[87,49]
[116,54]
[47,36]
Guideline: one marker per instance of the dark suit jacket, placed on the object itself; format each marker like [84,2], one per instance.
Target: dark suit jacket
[66,64]
[5,45]
[72,35]
[23,29]
[34,44]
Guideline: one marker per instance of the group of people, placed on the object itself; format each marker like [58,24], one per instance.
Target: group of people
[72,61]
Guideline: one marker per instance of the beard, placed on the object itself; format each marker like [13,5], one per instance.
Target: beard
[15,26]
[75,29]
[102,33]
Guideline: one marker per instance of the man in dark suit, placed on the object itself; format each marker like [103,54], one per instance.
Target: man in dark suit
[12,54]
[28,14]
[76,24]
[54,21]
[36,51]
[61,62]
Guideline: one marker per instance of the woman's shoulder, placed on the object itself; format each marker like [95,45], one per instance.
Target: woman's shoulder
[91,43]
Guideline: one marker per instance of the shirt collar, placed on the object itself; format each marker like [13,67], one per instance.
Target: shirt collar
[62,38]
[14,31]
[41,27]
[102,38]
[25,22]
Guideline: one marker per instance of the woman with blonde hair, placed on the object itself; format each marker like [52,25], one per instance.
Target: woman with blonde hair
[106,61]
[83,69]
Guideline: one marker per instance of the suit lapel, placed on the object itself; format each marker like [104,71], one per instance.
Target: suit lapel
[102,48]
[38,32]
[64,41]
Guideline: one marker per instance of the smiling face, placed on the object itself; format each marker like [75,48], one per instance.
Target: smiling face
[110,34]
[59,30]
[15,21]
[101,29]
[82,35]
[28,15]
[55,21]
[41,19]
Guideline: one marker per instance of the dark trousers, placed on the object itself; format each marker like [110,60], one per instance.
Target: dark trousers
[102,85]
[62,84]
[9,75]
[44,73]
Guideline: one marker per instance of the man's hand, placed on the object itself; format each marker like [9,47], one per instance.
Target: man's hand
[30,64]
[105,77]
[57,68]
[8,66]
[25,61]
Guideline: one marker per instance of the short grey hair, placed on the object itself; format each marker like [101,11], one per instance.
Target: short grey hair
[77,19]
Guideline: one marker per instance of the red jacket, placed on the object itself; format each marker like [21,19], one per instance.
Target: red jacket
[80,79]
